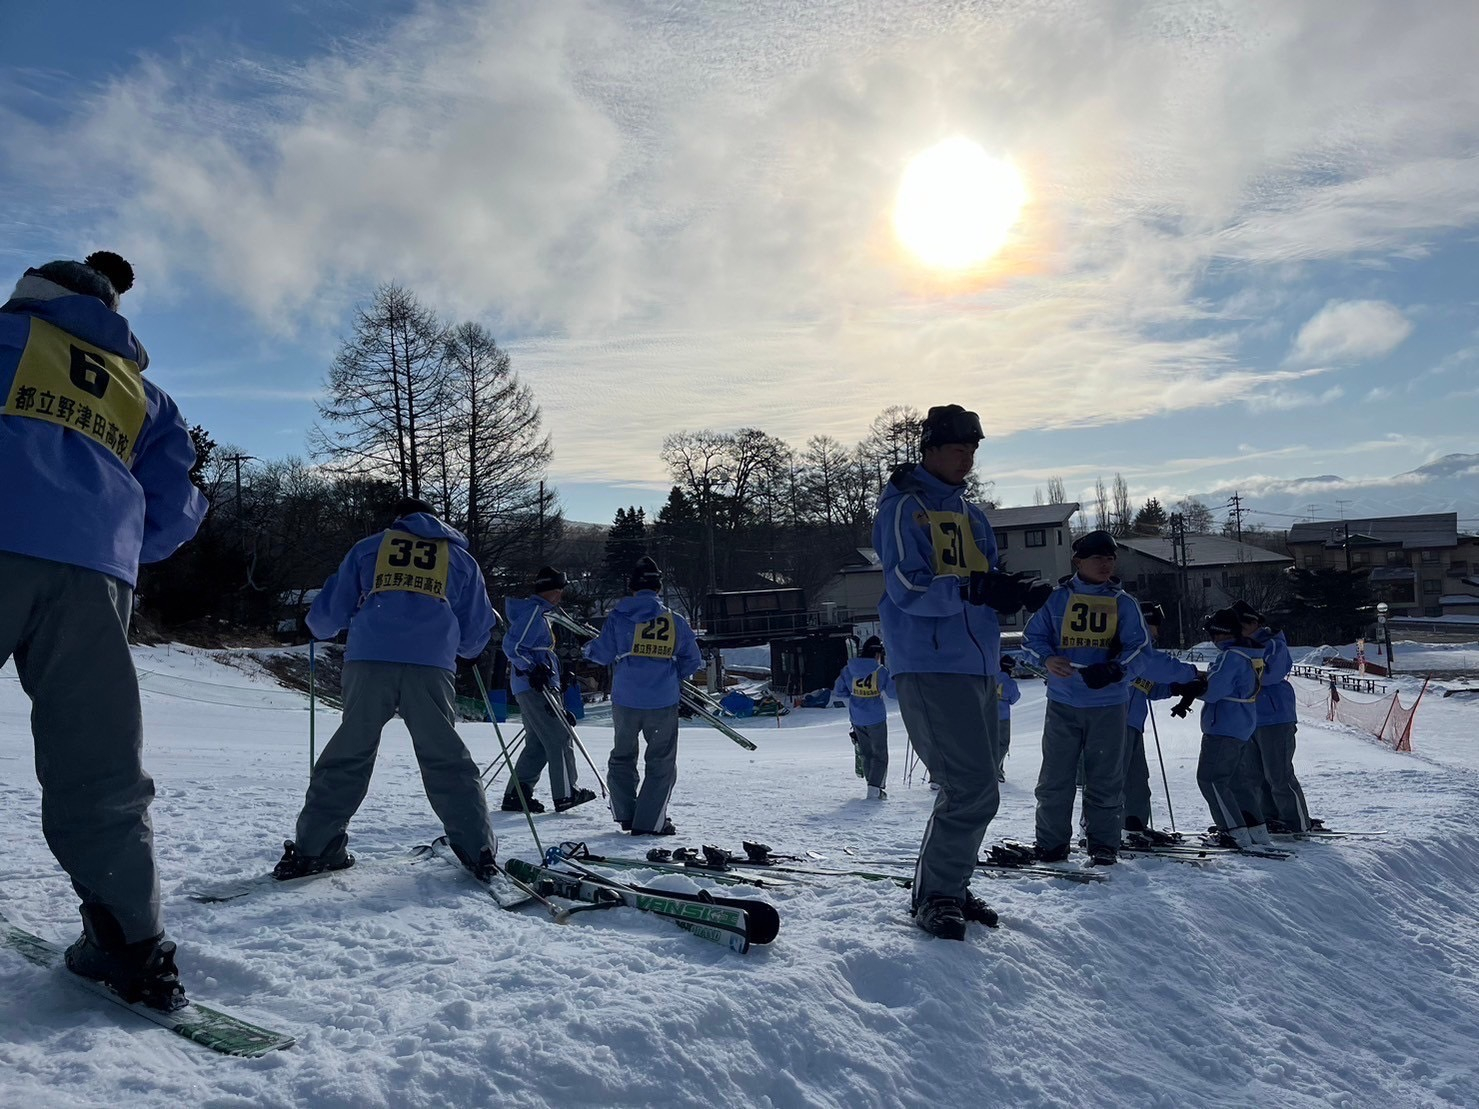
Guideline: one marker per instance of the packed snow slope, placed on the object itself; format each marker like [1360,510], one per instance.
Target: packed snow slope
[1344,977]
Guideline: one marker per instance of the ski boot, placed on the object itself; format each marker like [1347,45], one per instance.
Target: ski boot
[140,972]
[577,797]
[483,868]
[973,908]
[511,802]
[293,864]
[941,916]
[668,829]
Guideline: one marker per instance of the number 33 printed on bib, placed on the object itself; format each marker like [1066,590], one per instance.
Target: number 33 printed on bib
[410,564]
[1089,621]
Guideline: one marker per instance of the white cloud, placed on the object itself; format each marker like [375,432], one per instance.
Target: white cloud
[1350,331]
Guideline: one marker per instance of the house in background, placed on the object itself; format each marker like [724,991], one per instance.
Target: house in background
[1419,565]
[1218,572]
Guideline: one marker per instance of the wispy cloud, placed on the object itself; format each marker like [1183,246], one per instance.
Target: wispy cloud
[1350,331]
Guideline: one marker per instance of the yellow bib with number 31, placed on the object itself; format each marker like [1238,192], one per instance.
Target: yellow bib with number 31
[408,563]
[955,544]
[1089,621]
[65,381]
[657,638]
[866,686]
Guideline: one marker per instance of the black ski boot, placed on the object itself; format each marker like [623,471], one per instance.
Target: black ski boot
[578,797]
[295,865]
[1052,854]
[511,803]
[484,868]
[973,908]
[1102,854]
[140,972]
[941,916]
[668,829]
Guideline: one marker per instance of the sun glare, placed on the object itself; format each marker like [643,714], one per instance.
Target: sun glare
[957,204]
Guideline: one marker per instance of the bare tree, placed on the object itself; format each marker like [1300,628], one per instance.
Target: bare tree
[1124,511]
[826,468]
[1101,505]
[1196,517]
[893,438]
[1037,495]
[385,386]
[1057,494]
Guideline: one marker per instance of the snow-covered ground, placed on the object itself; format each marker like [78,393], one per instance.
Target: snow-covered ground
[1346,977]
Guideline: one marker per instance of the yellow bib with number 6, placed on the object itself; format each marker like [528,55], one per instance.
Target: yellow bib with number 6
[408,563]
[1089,621]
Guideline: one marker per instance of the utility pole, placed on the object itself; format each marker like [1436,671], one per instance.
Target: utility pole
[541,521]
[1237,513]
[1178,558]
[237,460]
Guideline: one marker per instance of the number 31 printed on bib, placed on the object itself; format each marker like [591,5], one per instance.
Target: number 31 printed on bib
[956,551]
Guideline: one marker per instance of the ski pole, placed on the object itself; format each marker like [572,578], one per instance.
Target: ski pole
[495,767]
[312,714]
[508,761]
[559,711]
[1150,712]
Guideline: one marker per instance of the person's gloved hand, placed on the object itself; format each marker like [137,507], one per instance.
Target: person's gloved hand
[1037,595]
[570,718]
[1194,688]
[1006,593]
[539,677]
[1182,707]
[1097,675]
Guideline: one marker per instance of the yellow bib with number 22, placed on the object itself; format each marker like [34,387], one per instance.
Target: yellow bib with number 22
[955,546]
[411,564]
[657,638]
[1089,621]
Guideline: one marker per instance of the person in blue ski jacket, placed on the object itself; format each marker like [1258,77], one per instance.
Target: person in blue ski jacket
[1274,738]
[413,600]
[534,679]
[652,651]
[1156,676]
[95,464]
[1229,718]
[862,685]
[1008,693]
[943,590]
[1087,637]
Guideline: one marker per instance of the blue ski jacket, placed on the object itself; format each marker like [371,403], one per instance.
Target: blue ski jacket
[411,593]
[929,538]
[1231,700]
[1154,671]
[1276,697]
[1008,693]
[529,640]
[863,684]
[650,649]
[94,458]
[1087,623]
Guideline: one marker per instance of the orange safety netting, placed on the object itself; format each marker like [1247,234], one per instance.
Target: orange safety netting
[1385,719]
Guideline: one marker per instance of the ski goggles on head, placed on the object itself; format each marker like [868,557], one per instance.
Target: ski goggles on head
[950,424]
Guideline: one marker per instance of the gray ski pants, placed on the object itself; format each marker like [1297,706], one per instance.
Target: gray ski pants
[952,720]
[1136,796]
[373,691]
[1097,737]
[1279,789]
[546,743]
[68,629]
[645,810]
[1003,744]
[873,743]
[1223,778]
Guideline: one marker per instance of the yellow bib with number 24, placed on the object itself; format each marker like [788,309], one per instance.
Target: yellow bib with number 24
[1089,621]
[410,564]
[955,546]
[866,686]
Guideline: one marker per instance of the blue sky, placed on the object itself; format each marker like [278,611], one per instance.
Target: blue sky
[1247,257]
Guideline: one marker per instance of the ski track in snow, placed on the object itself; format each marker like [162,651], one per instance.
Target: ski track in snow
[1345,977]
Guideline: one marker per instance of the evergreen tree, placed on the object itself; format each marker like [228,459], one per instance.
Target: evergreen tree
[1151,519]
[625,543]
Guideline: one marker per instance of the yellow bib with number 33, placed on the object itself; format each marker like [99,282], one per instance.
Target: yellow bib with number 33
[657,638]
[866,686]
[65,381]
[1089,621]
[408,563]
[955,544]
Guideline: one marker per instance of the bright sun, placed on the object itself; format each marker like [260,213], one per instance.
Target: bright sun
[957,205]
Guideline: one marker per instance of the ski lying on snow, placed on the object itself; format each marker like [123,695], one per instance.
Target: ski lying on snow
[507,890]
[998,867]
[195,1022]
[722,924]
[260,883]
[1330,833]
[578,851]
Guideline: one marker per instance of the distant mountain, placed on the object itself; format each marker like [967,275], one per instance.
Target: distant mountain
[1447,484]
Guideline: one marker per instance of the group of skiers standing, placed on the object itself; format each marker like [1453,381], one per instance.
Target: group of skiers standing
[943,594]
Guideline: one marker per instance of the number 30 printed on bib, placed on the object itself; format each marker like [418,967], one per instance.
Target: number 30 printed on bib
[1089,621]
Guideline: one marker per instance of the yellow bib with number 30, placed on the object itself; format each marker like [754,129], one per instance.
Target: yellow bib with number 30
[1144,685]
[955,544]
[408,563]
[1089,621]
[65,381]
[866,686]
[657,638]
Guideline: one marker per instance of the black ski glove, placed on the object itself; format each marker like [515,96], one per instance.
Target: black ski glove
[1037,595]
[1194,688]
[1097,675]
[1006,593]
[1182,707]
[539,677]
